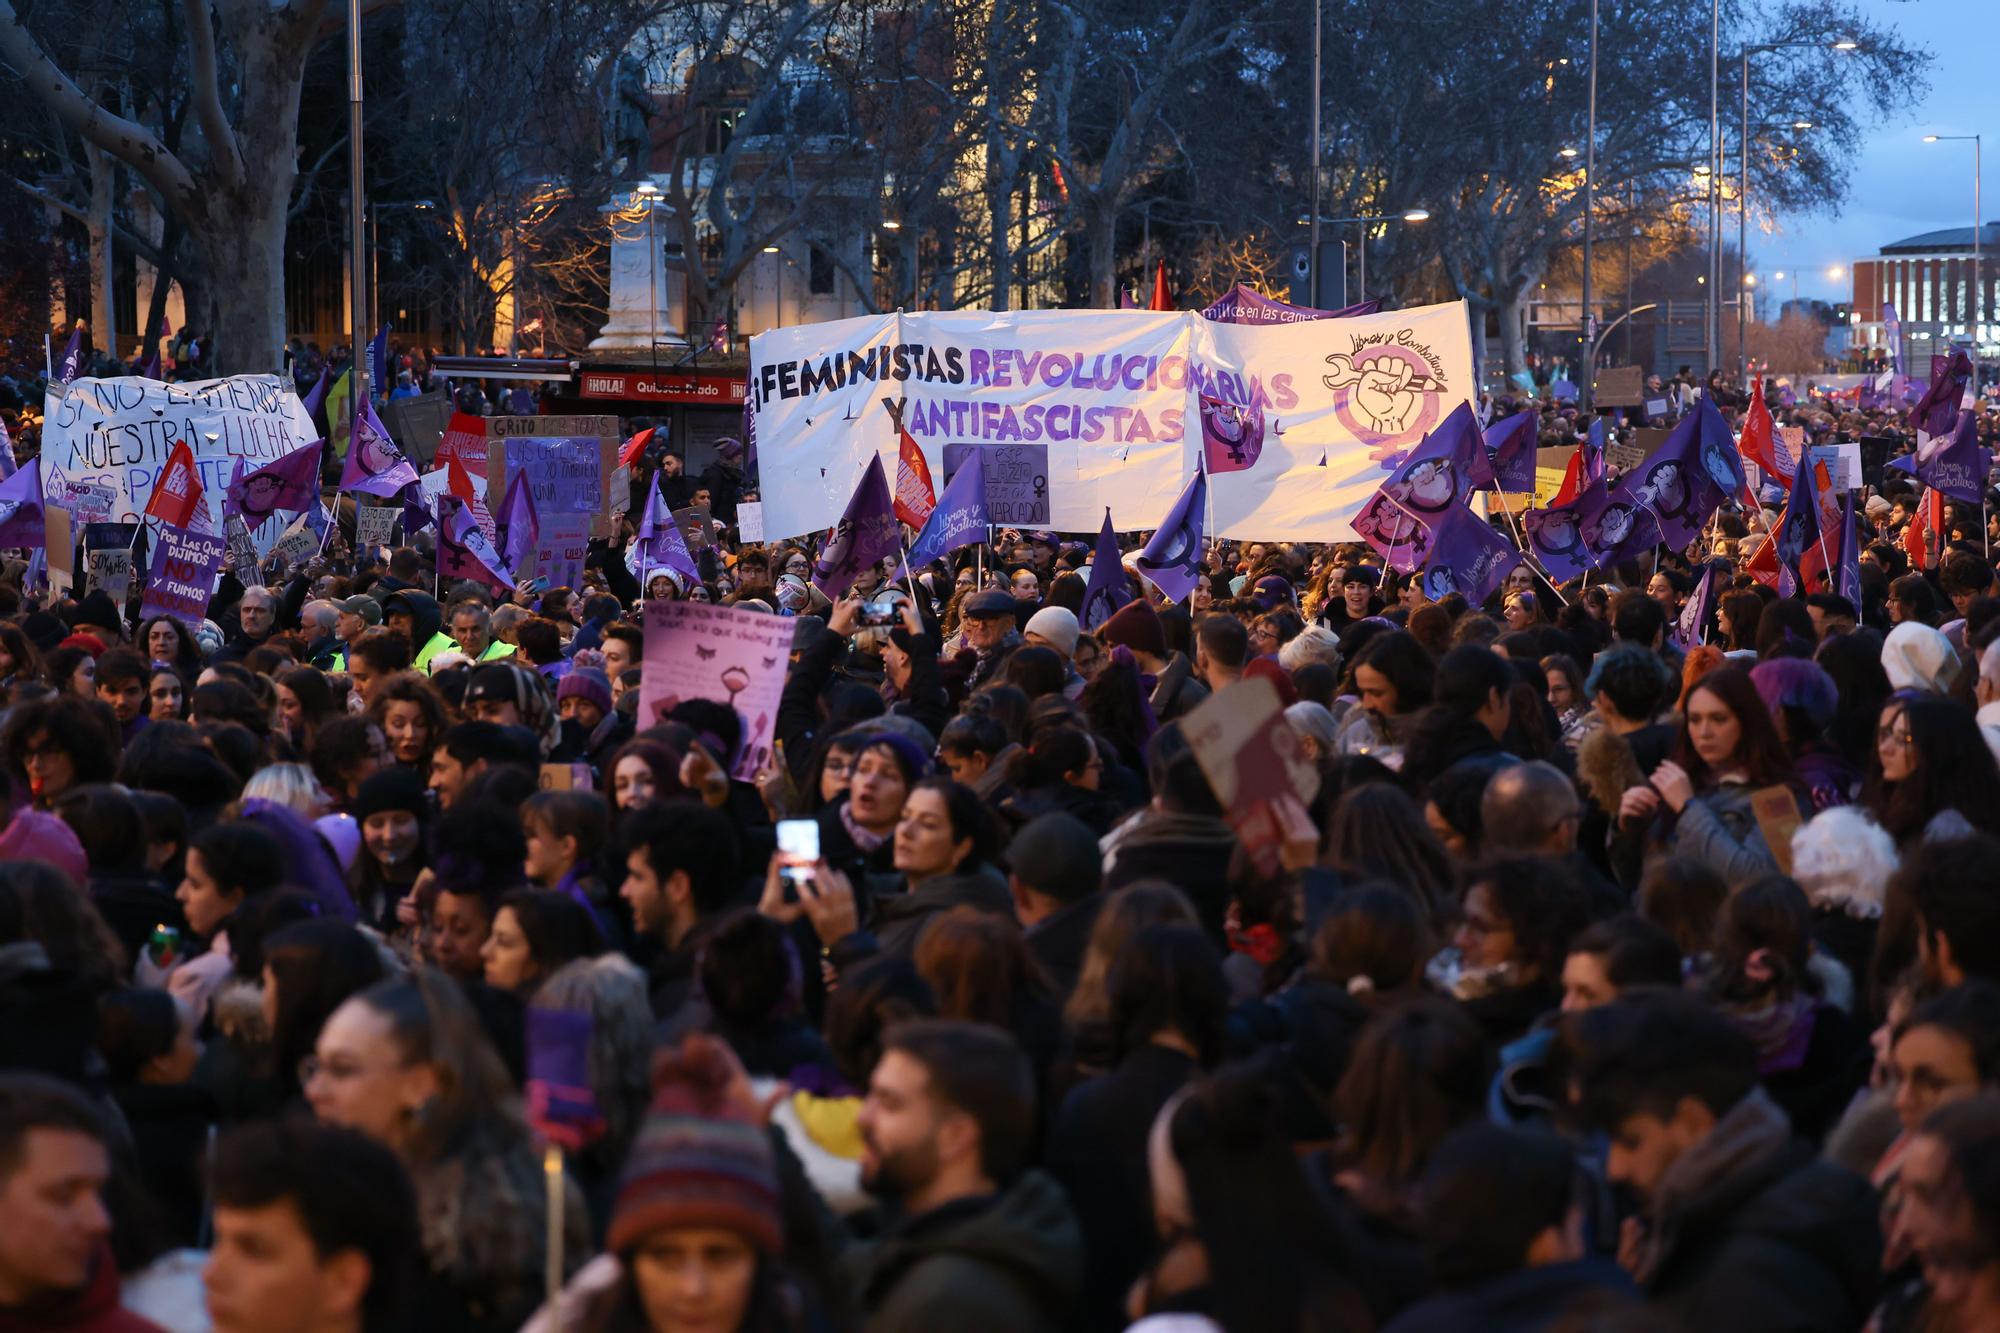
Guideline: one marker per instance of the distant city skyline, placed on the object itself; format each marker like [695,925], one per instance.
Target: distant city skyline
[1899,185]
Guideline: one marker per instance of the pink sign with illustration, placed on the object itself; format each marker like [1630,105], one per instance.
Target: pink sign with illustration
[698,651]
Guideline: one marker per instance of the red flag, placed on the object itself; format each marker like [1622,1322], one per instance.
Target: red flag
[458,481]
[1759,440]
[915,496]
[177,494]
[1927,525]
[635,448]
[1161,300]
[1572,479]
[1813,570]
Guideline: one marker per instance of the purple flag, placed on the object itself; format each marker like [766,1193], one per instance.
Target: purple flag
[1953,463]
[522,526]
[1510,450]
[315,403]
[7,460]
[1593,452]
[1692,627]
[290,484]
[1798,529]
[149,369]
[866,534]
[375,466]
[1232,434]
[72,357]
[1108,587]
[1937,411]
[1440,472]
[960,517]
[378,364]
[661,543]
[1848,582]
[560,1102]
[22,518]
[1172,557]
[1679,485]
[1467,556]
[463,551]
[416,511]
[1560,535]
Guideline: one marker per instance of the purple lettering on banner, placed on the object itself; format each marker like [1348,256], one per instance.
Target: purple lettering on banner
[182,578]
[698,651]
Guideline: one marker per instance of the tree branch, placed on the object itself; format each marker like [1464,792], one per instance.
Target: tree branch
[127,238]
[129,142]
[207,92]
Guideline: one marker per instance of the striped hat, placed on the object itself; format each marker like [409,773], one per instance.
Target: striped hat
[699,1160]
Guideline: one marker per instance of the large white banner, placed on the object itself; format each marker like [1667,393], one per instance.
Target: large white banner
[1297,424]
[105,441]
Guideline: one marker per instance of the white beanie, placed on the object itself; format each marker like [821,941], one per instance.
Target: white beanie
[1057,624]
[1917,657]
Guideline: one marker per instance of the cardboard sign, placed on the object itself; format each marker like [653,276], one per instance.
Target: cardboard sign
[243,557]
[1257,768]
[562,473]
[698,651]
[61,546]
[1655,409]
[1777,812]
[567,777]
[418,423]
[375,525]
[696,527]
[561,545]
[501,431]
[750,522]
[182,579]
[298,543]
[1017,481]
[1620,386]
[110,572]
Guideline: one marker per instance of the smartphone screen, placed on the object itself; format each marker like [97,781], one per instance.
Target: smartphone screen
[798,847]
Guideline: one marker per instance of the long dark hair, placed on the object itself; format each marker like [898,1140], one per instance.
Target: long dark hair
[317,965]
[1954,771]
[1379,833]
[1758,749]
[1400,658]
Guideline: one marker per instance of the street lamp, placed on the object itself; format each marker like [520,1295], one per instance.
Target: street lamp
[1587,323]
[1743,183]
[1366,221]
[1978,289]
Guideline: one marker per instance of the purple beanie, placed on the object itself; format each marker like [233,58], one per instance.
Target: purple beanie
[1794,682]
[587,684]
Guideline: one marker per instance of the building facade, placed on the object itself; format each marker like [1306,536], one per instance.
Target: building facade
[1943,288]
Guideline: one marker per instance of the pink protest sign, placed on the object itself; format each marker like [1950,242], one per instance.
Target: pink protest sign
[698,651]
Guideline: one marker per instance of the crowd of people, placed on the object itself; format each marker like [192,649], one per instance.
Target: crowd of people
[368,961]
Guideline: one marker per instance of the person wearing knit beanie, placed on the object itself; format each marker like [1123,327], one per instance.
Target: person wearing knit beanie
[590,689]
[1137,626]
[1054,627]
[696,1227]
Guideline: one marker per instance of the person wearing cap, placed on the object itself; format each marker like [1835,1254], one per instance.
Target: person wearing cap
[988,620]
[1176,689]
[1056,876]
[416,616]
[357,615]
[1055,627]
[509,695]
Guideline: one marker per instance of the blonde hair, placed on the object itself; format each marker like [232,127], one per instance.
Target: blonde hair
[290,785]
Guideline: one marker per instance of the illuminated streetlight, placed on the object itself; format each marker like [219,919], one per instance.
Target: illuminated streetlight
[1750,279]
[647,187]
[1417,215]
[1847,44]
[1566,152]
[770,249]
[1835,271]
[890,224]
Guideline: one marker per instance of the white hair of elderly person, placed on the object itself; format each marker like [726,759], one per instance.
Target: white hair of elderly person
[1844,860]
[1314,643]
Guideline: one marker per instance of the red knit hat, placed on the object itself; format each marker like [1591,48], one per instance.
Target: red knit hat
[699,1160]
[1137,626]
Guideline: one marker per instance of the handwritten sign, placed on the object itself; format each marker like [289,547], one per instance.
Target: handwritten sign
[297,544]
[1017,481]
[182,579]
[375,525]
[750,521]
[560,547]
[1620,386]
[110,572]
[698,651]
[562,474]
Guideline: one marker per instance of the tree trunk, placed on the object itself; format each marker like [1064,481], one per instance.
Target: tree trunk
[164,277]
[1513,309]
[103,277]
[1102,233]
[999,224]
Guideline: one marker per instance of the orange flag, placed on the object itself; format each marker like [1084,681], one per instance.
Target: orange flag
[1161,300]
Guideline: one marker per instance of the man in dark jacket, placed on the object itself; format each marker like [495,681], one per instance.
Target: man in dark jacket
[1503,1229]
[1181,837]
[1137,626]
[1056,875]
[989,627]
[1741,1228]
[981,1246]
[680,880]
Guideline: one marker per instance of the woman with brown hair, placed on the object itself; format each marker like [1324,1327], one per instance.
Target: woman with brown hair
[412,717]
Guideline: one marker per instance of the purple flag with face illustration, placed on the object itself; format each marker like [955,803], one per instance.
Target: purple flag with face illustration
[375,466]
[866,534]
[463,551]
[1440,472]
[1953,463]
[1172,557]
[1108,587]
[23,521]
[1232,435]
[1467,556]
[1510,452]
[289,485]
[1674,491]
[1558,534]
[1937,411]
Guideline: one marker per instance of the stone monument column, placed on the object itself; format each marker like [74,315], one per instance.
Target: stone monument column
[648,302]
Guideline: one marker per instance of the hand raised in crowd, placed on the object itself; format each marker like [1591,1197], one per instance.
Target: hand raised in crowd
[1638,805]
[827,897]
[1673,784]
[846,616]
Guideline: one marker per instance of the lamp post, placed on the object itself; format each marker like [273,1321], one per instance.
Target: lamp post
[1365,222]
[1589,322]
[1312,239]
[357,209]
[1978,290]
